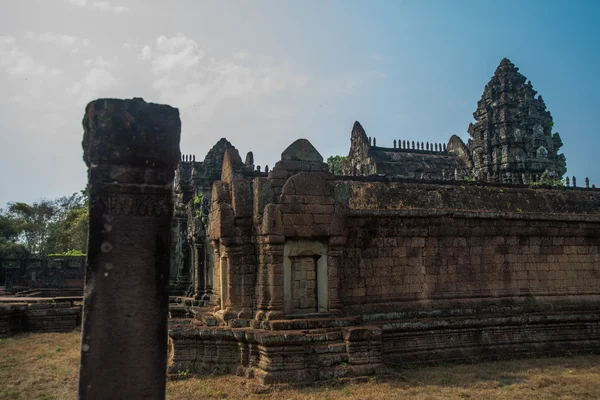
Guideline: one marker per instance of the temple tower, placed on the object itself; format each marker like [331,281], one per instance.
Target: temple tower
[511,140]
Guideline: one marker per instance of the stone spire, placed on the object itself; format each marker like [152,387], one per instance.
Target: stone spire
[512,134]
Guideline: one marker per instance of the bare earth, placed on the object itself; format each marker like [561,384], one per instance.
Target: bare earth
[45,366]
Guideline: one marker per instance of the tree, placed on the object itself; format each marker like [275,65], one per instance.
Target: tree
[34,222]
[69,231]
[9,236]
[336,163]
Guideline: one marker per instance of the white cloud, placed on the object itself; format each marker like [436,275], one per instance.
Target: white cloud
[146,53]
[105,6]
[60,40]
[185,76]
[80,3]
[177,52]
[100,62]
[7,39]
[17,63]
[100,5]
[97,82]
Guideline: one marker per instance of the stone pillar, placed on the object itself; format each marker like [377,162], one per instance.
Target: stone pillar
[131,149]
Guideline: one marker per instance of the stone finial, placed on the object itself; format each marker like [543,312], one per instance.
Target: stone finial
[445,149]
[374,142]
[494,118]
[249,159]
[404,144]
[574,182]
[427,146]
[422,146]
[436,147]
[131,149]
[370,141]
[258,168]
[394,143]
[567,182]
[266,168]
[301,150]
[587,183]
[413,144]
[194,158]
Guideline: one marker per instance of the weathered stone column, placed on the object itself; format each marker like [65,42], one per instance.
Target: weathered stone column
[131,149]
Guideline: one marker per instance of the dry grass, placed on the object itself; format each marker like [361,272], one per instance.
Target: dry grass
[44,366]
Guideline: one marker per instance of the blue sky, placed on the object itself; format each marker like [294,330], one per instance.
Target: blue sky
[264,73]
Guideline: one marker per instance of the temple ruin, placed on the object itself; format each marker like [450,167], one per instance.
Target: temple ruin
[418,252]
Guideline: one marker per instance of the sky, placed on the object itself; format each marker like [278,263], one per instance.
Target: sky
[265,73]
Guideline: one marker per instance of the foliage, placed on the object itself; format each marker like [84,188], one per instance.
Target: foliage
[47,226]
[9,236]
[337,163]
[69,253]
[547,180]
[469,180]
[33,221]
[198,204]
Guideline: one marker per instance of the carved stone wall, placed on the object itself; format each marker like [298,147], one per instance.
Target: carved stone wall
[414,271]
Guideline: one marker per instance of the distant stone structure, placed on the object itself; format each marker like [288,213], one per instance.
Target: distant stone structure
[511,142]
[50,276]
[419,252]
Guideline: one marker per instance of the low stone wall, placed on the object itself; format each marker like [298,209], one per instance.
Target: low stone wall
[49,276]
[452,283]
[274,352]
[61,316]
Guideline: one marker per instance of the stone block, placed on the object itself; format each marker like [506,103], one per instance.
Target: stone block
[241,199]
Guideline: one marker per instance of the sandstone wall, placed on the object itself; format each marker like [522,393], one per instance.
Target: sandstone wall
[409,256]
[449,273]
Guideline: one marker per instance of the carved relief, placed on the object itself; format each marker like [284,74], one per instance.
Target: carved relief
[135,204]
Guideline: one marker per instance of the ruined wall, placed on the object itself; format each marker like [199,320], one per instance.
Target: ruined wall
[454,253]
[324,276]
[46,276]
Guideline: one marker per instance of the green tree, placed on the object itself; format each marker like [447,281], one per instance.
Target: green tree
[336,163]
[9,236]
[69,231]
[34,223]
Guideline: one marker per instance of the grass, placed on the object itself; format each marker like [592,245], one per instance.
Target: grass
[45,366]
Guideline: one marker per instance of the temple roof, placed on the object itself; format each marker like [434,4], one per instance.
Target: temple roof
[414,163]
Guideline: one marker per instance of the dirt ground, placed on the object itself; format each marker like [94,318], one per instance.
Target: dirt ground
[45,366]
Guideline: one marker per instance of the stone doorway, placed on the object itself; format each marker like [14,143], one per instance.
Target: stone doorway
[305,277]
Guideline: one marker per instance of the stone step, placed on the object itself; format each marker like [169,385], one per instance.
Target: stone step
[306,324]
[335,347]
[329,335]
[328,355]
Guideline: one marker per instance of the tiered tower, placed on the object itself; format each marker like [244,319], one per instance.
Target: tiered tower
[511,140]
